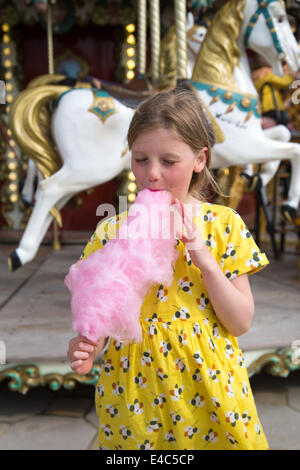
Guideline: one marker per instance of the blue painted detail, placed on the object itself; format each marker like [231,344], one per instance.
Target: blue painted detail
[236,97]
[103,94]
[263,9]
[68,91]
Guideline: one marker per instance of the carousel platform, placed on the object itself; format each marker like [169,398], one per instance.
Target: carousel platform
[35,319]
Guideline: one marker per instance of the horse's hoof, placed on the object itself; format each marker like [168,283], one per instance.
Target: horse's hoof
[254,181]
[14,262]
[288,213]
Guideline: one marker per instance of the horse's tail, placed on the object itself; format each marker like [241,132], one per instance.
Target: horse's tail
[30,122]
[46,79]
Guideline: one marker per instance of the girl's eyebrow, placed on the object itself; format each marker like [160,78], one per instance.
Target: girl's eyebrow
[141,153]
[171,154]
[167,154]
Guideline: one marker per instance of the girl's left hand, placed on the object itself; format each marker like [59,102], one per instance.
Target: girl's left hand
[185,228]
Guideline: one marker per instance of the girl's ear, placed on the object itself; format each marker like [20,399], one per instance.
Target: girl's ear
[201,160]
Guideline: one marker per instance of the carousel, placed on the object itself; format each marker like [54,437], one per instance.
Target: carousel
[72,74]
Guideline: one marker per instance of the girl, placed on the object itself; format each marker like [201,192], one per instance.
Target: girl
[186,385]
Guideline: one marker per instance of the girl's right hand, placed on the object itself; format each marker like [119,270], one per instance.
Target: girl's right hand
[82,353]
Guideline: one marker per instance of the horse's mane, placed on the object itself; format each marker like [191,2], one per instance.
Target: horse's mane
[220,53]
[167,60]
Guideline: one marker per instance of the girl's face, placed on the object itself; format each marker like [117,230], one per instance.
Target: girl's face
[161,160]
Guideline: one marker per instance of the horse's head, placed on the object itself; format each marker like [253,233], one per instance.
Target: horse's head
[195,34]
[266,30]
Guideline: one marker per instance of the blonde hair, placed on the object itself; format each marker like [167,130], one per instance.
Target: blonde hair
[180,110]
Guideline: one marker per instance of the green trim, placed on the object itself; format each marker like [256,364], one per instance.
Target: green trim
[21,378]
[237,98]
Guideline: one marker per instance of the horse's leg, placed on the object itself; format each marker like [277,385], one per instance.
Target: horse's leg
[14,260]
[262,150]
[59,187]
[290,206]
[279,133]
[27,191]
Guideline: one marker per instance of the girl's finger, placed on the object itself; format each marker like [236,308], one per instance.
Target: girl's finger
[80,355]
[86,347]
[76,364]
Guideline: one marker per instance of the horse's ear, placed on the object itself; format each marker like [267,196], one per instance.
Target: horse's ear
[189,21]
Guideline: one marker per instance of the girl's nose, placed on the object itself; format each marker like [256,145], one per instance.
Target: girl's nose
[153,173]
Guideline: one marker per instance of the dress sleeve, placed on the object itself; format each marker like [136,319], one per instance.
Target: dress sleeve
[92,245]
[239,254]
[104,231]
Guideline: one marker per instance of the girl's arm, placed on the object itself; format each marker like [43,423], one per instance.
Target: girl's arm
[231,300]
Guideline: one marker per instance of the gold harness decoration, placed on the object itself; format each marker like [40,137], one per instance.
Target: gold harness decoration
[103,105]
[219,135]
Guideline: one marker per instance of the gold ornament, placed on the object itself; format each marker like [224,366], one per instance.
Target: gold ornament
[246,102]
[248,116]
[230,108]
[228,95]
[104,104]
[214,100]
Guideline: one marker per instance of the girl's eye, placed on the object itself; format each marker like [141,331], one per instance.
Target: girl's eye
[169,162]
[140,160]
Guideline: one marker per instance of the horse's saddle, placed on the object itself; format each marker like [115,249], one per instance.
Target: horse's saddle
[129,98]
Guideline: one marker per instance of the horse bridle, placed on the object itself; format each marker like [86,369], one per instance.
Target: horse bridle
[263,9]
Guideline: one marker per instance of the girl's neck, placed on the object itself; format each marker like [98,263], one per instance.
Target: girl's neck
[189,199]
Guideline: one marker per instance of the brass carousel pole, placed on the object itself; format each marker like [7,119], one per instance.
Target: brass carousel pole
[181,44]
[142,33]
[155,40]
[50,40]
[56,243]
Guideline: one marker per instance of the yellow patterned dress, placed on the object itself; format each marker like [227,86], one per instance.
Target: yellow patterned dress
[186,385]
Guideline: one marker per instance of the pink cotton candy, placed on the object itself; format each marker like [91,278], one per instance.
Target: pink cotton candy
[109,286]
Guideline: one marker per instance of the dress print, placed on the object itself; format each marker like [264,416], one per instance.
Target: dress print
[186,385]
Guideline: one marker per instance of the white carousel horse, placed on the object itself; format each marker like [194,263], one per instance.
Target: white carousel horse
[223,82]
[92,132]
[196,35]
[194,43]
[91,150]
[32,174]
